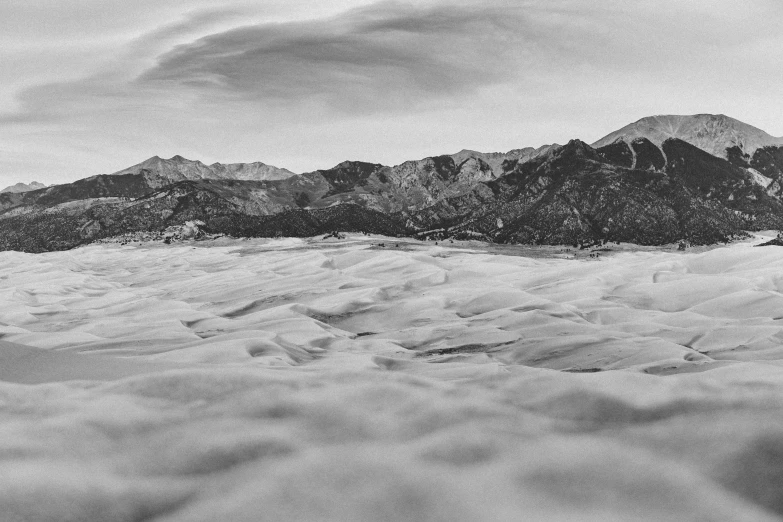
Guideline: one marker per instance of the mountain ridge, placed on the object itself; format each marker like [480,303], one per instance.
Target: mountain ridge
[631,189]
[160,172]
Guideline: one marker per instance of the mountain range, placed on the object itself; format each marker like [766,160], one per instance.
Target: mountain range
[701,179]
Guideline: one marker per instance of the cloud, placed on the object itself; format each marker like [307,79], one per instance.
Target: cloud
[111,70]
[392,57]
[302,85]
[386,56]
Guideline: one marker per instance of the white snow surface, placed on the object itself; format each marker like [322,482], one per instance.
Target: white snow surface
[335,380]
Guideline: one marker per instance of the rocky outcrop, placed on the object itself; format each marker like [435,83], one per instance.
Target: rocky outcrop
[188,230]
[497,163]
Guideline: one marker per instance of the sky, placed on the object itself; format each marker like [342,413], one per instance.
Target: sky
[94,86]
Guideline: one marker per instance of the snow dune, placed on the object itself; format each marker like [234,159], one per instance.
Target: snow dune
[308,380]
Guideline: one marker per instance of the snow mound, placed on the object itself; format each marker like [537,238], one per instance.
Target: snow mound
[301,380]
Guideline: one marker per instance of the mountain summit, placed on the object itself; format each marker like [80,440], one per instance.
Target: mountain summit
[23,187]
[160,172]
[709,132]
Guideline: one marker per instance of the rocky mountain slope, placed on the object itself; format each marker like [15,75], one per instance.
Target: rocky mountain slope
[765,165]
[711,133]
[631,189]
[576,195]
[498,161]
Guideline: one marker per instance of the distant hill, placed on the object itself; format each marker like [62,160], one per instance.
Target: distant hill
[634,188]
[21,187]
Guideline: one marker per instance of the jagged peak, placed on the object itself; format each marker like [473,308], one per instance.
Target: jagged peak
[575,147]
[521,151]
[349,164]
[546,148]
[178,167]
[578,145]
[154,160]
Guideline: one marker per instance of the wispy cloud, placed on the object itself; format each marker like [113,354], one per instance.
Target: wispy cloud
[392,57]
[113,72]
[386,56]
[315,84]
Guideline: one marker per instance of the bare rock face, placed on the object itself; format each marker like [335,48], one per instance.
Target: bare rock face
[188,230]
[495,164]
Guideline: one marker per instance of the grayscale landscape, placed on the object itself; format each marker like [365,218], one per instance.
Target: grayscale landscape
[390,261]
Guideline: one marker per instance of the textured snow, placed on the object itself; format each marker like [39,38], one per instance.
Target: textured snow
[335,380]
